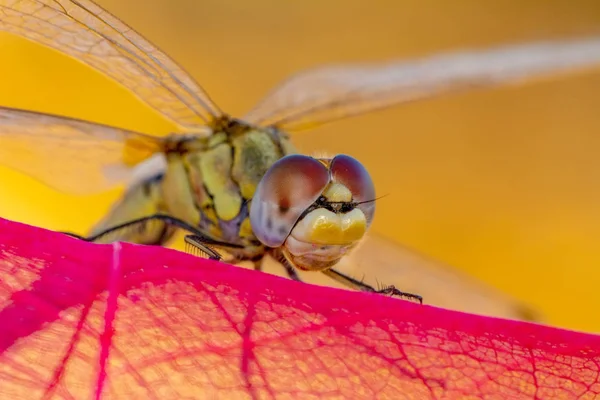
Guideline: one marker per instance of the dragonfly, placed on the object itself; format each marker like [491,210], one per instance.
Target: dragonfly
[236,185]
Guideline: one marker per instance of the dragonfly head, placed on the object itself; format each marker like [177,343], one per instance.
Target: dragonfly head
[315,210]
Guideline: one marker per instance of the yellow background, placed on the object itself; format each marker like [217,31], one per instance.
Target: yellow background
[503,183]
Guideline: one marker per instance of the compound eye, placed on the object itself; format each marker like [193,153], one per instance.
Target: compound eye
[352,174]
[288,188]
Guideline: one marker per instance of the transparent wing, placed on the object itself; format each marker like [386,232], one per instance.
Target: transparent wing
[327,93]
[70,155]
[90,34]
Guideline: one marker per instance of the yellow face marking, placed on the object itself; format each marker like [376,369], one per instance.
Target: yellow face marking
[337,192]
[324,227]
[353,225]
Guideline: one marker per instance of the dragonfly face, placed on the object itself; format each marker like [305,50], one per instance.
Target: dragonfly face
[236,183]
[316,209]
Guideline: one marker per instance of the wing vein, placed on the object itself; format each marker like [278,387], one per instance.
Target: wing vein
[210,107]
[93,36]
[70,154]
[327,93]
[155,75]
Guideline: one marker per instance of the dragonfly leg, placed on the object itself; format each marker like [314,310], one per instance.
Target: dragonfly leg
[258,262]
[359,285]
[291,271]
[289,268]
[195,246]
[232,260]
[197,239]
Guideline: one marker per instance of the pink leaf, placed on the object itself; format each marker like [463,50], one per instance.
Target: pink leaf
[121,321]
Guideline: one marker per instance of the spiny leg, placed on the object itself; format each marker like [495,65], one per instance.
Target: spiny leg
[148,230]
[198,243]
[256,260]
[359,285]
[197,239]
[291,271]
[289,268]
[194,245]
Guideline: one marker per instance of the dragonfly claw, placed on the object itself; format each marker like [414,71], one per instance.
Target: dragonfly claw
[392,291]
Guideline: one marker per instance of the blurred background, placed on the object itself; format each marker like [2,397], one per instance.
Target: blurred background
[502,184]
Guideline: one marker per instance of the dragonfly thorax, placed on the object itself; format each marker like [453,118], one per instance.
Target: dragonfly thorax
[211,181]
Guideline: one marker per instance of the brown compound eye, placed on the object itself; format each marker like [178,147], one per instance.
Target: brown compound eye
[288,188]
[352,174]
